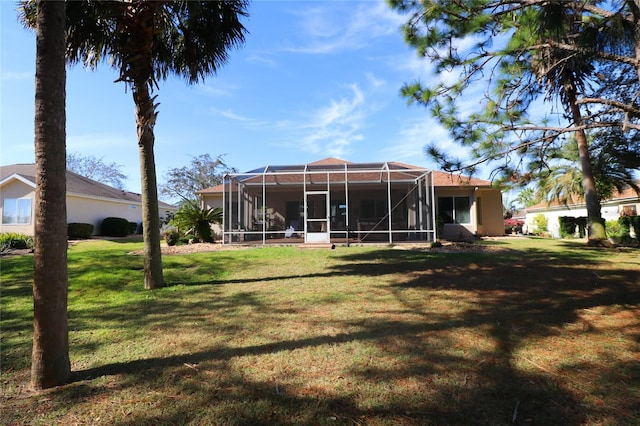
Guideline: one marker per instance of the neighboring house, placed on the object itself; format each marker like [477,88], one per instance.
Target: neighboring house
[87,201]
[625,203]
[336,200]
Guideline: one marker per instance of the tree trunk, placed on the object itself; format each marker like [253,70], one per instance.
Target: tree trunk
[50,365]
[145,118]
[141,74]
[595,228]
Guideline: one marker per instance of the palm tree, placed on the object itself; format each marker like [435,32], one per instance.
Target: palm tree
[613,160]
[194,220]
[566,74]
[50,364]
[146,41]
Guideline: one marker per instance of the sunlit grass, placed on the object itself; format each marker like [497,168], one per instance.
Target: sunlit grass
[543,331]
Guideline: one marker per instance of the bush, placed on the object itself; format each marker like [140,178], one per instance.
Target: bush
[440,226]
[513,225]
[79,231]
[133,227]
[171,235]
[115,227]
[13,241]
[582,226]
[630,222]
[540,224]
[615,230]
[567,226]
[196,221]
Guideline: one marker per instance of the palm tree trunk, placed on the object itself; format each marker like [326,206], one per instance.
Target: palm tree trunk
[141,73]
[145,118]
[596,231]
[50,365]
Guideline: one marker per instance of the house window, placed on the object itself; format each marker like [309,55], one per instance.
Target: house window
[16,211]
[455,209]
[629,210]
[373,209]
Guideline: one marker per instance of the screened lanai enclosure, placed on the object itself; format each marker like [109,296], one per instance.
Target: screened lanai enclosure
[329,203]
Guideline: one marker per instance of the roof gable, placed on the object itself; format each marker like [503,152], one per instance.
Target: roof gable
[17,177]
[76,184]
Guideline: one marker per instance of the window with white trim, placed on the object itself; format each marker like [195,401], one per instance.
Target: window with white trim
[16,211]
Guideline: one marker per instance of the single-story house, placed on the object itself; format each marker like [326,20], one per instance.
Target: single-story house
[337,200]
[626,202]
[88,201]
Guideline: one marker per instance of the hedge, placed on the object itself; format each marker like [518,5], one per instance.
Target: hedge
[133,227]
[629,222]
[79,231]
[115,227]
[568,226]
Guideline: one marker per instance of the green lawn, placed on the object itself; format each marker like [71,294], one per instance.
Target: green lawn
[528,332]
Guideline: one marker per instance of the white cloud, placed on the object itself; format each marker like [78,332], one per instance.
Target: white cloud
[261,59]
[230,115]
[330,130]
[328,30]
[214,90]
[375,81]
[415,136]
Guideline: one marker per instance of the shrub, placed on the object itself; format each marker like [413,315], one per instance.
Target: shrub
[115,227]
[79,231]
[567,226]
[171,235]
[195,221]
[582,226]
[133,227]
[436,244]
[439,226]
[615,230]
[513,225]
[14,241]
[540,224]
[631,222]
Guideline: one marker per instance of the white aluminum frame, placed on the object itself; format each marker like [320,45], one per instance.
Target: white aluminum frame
[426,198]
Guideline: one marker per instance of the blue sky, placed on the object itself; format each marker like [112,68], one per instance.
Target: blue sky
[314,79]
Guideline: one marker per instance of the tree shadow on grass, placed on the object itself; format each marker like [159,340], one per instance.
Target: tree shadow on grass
[428,379]
[489,395]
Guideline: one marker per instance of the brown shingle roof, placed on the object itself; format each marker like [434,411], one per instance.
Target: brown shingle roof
[371,172]
[452,179]
[76,184]
[577,200]
[330,161]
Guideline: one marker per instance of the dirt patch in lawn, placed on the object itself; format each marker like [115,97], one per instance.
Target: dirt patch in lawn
[447,247]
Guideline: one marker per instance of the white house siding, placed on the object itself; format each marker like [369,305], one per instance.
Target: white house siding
[82,209]
[610,211]
[17,189]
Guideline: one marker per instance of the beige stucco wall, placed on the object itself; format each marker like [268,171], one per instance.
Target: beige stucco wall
[492,217]
[213,201]
[94,211]
[486,204]
[17,189]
